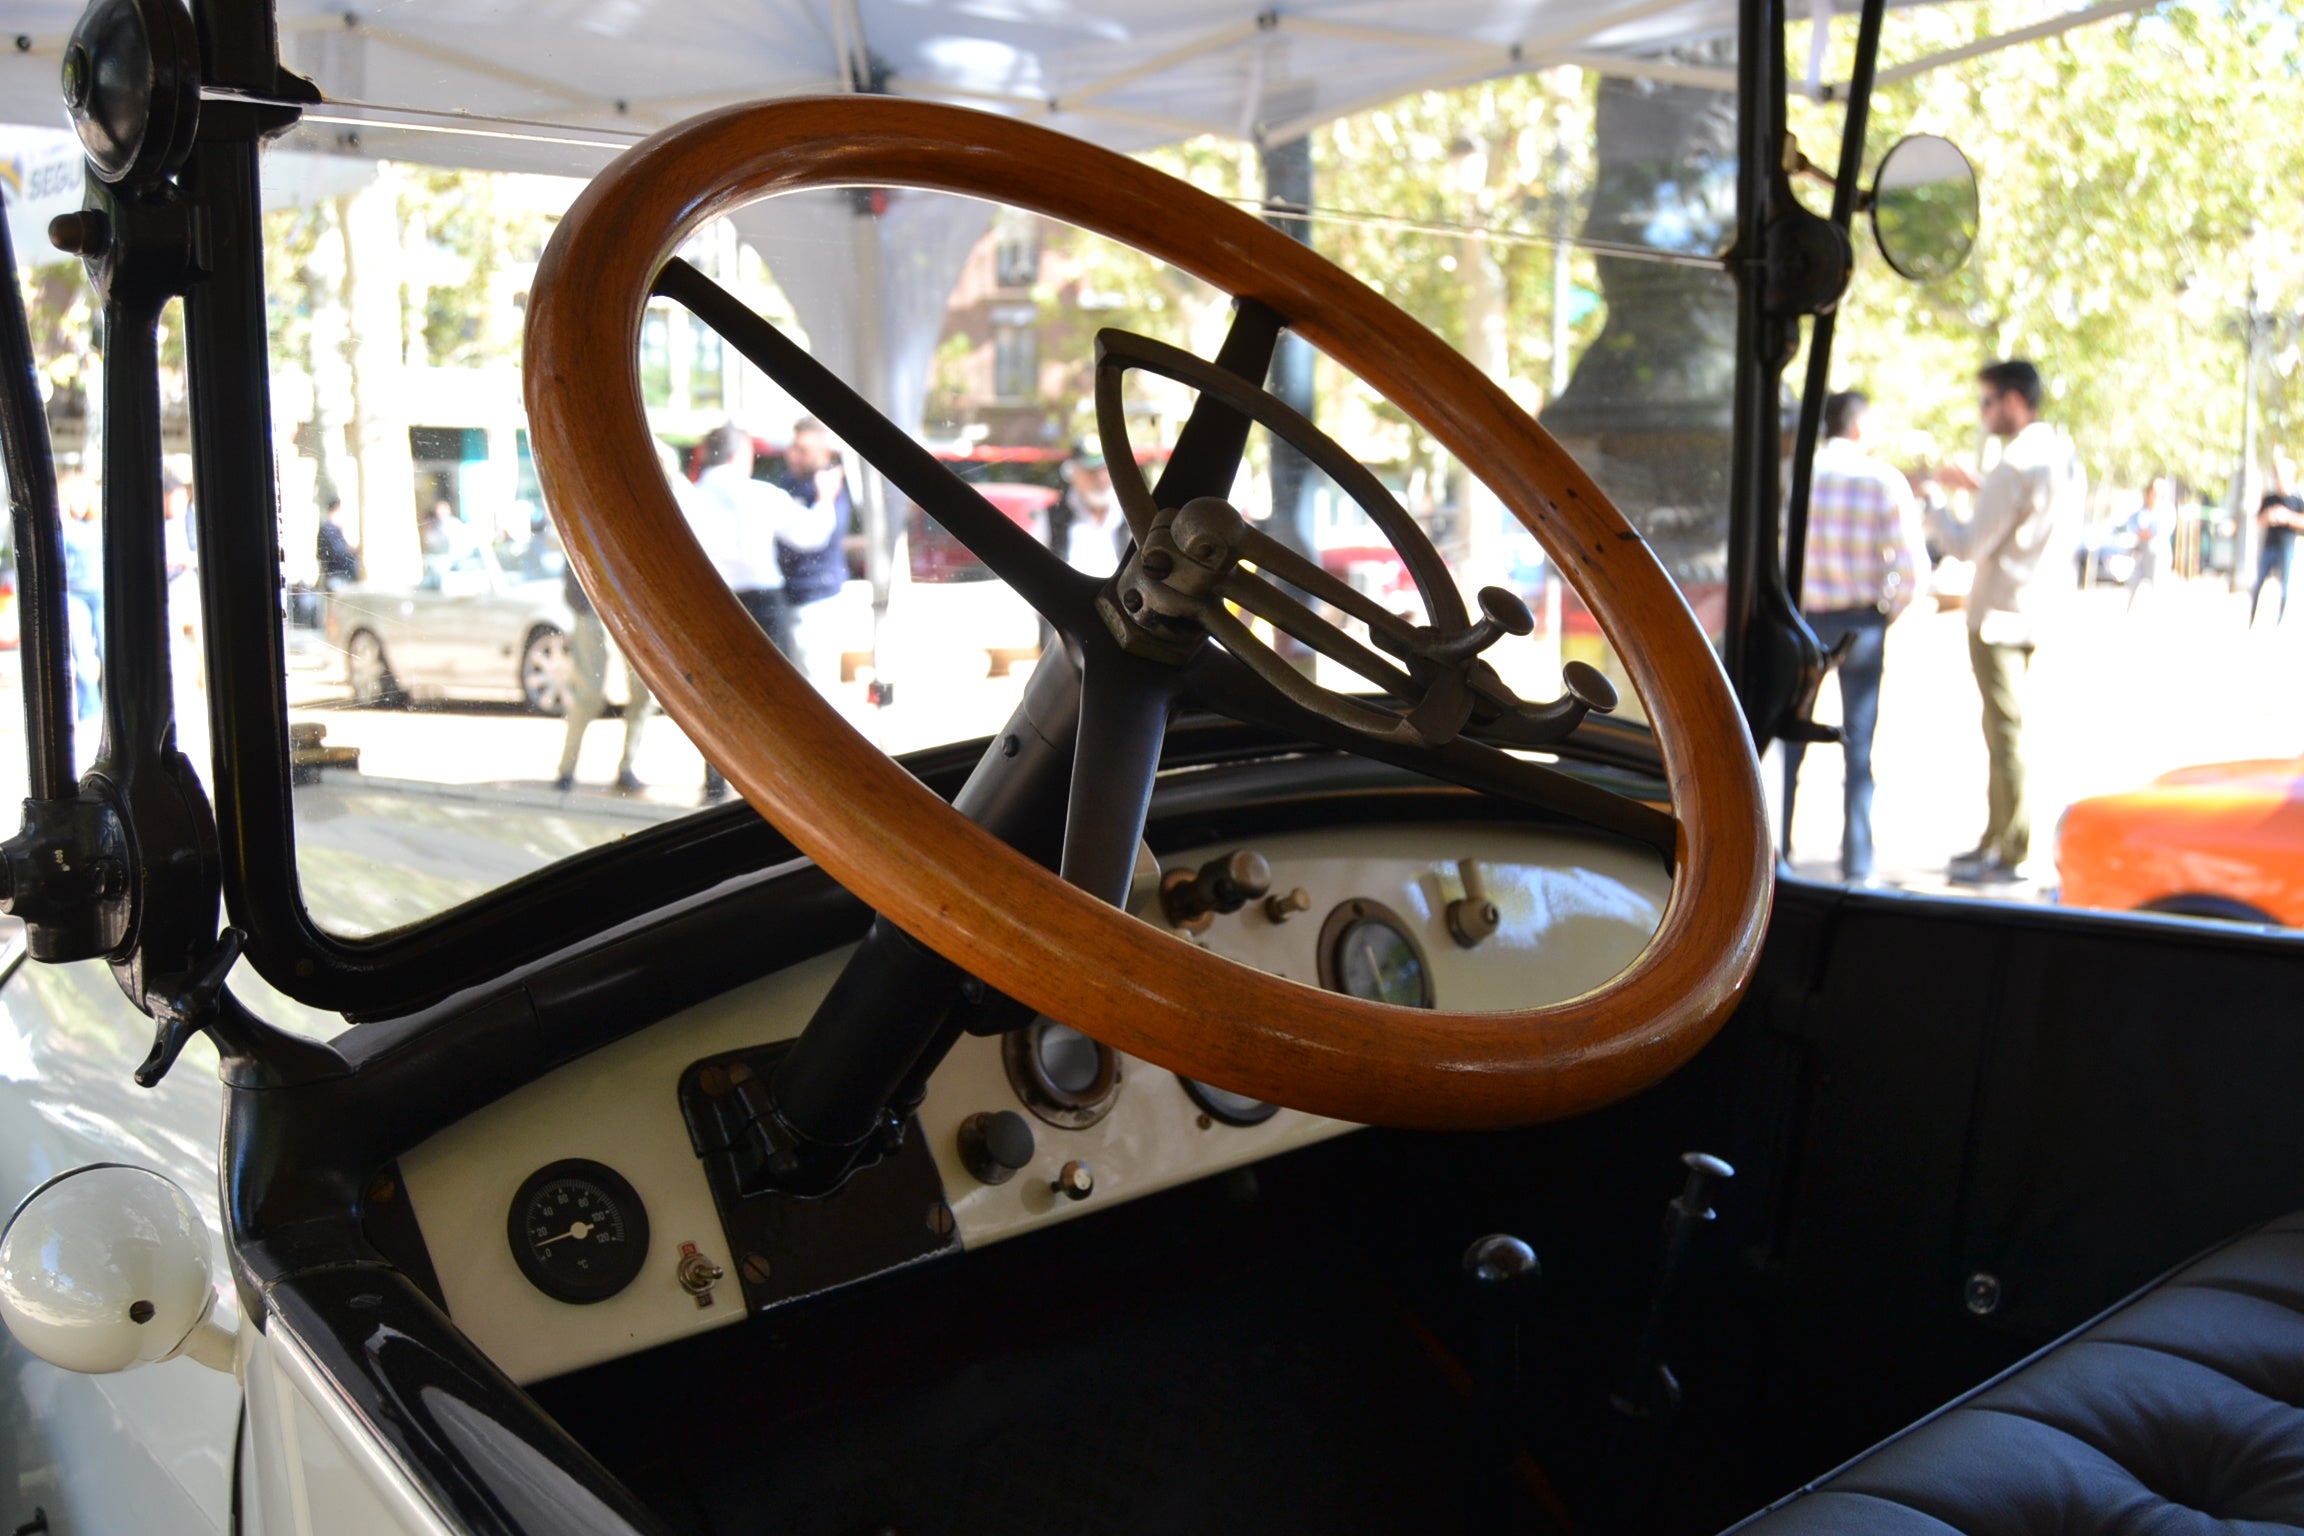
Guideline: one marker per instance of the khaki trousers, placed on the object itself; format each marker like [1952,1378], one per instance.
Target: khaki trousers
[588,653]
[2000,676]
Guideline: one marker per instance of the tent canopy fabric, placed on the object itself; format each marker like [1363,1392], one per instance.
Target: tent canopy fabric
[1124,73]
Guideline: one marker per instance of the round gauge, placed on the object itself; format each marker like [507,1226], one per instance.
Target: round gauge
[1227,1106]
[1062,1076]
[579,1231]
[1367,952]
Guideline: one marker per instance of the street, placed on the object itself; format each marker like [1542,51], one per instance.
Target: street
[2117,697]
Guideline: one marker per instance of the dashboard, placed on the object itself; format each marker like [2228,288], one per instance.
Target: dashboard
[591,1213]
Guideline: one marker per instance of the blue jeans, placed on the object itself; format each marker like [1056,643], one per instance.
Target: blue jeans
[87,655]
[1859,673]
[2278,558]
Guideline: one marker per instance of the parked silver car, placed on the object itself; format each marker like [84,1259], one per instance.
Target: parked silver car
[476,626]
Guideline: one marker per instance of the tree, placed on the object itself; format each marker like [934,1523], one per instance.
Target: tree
[2123,167]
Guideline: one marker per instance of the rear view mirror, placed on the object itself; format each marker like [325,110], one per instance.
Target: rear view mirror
[1924,207]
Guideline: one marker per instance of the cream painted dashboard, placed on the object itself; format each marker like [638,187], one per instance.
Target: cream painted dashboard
[1573,911]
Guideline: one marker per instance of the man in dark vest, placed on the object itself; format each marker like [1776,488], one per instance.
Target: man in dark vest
[813,473]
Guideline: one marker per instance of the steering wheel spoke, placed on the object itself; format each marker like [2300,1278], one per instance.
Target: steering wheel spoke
[1061,594]
[1124,707]
[1208,450]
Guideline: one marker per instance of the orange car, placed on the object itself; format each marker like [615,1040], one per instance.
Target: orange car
[2223,840]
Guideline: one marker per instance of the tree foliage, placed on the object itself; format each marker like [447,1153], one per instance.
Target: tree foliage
[2123,166]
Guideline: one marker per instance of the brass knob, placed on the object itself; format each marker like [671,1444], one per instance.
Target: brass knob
[1282,908]
[1075,1180]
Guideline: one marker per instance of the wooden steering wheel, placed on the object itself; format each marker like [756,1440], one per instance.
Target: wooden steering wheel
[1066,950]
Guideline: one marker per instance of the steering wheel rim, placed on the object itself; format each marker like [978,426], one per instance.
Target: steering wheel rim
[961,891]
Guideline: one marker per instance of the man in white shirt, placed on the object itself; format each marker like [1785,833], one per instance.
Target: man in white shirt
[738,520]
[2020,535]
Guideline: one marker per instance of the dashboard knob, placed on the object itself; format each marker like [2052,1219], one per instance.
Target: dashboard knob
[993,1146]
[1223,884]
[1075,1180]
[1281,908]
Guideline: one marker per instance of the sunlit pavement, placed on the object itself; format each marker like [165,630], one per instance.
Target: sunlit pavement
[2117,698]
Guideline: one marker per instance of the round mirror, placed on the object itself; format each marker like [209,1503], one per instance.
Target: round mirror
[1924,209]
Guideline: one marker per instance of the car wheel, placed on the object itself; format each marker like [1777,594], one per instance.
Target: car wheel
[370,675]
[2222,909]
[545,671]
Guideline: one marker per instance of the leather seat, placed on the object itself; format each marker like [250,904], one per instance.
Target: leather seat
[2181,1410]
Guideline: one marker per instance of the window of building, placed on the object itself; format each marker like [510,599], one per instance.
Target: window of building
[1016,251]
[1015,362]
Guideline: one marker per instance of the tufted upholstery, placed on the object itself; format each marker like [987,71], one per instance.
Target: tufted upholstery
[2179,1411]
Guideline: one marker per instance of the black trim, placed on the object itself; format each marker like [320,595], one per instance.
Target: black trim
[476,1444]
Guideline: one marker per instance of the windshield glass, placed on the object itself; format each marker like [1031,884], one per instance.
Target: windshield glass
[2099,711]
[459,716]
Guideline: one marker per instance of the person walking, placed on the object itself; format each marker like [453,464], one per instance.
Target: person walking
[83,531]
[740,521]
[813,573]
[2278,516]
[2021,535]
[1864,564]
[2155,525]
[588,653]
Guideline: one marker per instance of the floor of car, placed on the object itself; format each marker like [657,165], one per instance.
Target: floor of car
[1246,1355]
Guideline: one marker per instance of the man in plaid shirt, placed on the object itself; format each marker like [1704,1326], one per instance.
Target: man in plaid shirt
[1864,565]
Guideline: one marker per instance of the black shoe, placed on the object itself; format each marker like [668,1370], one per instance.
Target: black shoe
[716,791]
[1992,870]
[564,783]
[628,783]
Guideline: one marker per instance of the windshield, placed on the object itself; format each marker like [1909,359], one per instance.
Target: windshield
[459,715]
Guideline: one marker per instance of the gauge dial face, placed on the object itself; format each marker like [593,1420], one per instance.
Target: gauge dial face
[1227,1106]
[1367,952]
[1060,1074]
[578,1230]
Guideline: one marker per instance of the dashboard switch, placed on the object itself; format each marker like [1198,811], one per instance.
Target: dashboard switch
[1475,917]
[698,1274]
[993,1146]
[1075,1180]
[1227,883]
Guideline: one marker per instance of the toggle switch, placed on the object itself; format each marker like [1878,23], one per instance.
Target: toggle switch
[1475,917]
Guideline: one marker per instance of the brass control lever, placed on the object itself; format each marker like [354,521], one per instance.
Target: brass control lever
[1191,898]
[1475,917]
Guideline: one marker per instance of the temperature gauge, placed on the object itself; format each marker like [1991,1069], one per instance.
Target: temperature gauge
[578,1230]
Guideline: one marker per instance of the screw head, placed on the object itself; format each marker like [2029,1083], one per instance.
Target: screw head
[1132,600]
[755,1269]
[1981,1295]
